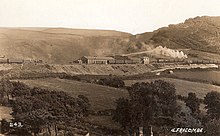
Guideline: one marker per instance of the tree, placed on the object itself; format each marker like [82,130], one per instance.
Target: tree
[122,113]
[84,104]
[6,87]
[40,108]
[35,119]
[112,81]
[193,103]
[20,89]
[147,104]
[212,128]
[212,101]
[166,94]
[4,126]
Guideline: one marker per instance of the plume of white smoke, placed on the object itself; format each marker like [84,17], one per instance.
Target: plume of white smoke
[164,51]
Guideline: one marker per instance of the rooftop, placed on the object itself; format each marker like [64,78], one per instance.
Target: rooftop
[98,57]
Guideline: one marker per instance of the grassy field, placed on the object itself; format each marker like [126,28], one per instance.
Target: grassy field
[101,97]
[183,87]
[211,76]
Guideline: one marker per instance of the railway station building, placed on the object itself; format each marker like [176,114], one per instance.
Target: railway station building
[96,60]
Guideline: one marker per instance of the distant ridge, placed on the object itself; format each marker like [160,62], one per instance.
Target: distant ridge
[62,45]
[200,33]
[87,32]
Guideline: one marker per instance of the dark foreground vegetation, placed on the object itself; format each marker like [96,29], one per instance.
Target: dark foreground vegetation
[111,81]
[41,111]
[150,108]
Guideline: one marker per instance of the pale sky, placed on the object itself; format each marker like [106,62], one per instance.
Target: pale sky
[133,16]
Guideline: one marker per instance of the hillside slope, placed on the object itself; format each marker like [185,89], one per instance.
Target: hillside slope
[32,70]
[200,33]
[101,97]
[62,45]
[54,46]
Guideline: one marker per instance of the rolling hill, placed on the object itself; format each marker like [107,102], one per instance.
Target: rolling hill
[61,45]
[55,46]
[200,33]
[101,97]
[183,87]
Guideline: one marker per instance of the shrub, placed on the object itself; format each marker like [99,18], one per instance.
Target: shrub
[112,81]
[65,76]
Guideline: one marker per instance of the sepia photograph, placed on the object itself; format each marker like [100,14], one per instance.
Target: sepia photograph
[109,68]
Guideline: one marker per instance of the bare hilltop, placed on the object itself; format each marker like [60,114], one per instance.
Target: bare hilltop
[62,45]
